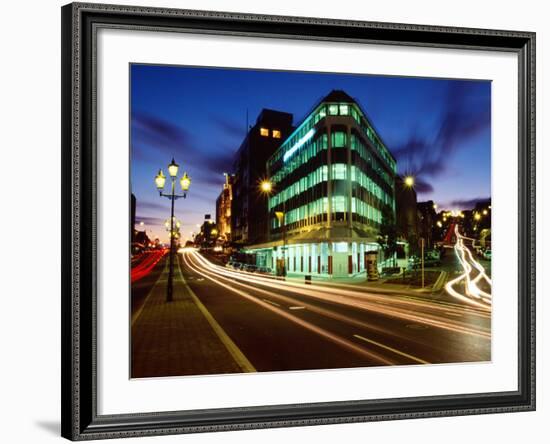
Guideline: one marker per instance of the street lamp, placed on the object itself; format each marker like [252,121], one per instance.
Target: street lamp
[185,183]
[266,187]
[409,181]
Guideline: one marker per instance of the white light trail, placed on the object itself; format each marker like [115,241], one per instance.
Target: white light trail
[308,325]
[423,312]
[472,294]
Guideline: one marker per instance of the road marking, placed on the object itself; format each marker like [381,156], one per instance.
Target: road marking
[271,302]
[296,308]
[239,357]
[414,358]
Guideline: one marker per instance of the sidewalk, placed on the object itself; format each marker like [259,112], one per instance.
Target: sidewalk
[180,337]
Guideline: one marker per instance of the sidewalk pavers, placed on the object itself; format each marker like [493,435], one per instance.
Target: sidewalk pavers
[180,337]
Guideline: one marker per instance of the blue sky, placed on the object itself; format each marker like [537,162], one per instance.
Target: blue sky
[438,129]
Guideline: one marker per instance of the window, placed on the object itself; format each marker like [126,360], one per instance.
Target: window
[276,134]
[339,171]
[344,110]
[339,204]
[333,110]
[338,139]
[264,132]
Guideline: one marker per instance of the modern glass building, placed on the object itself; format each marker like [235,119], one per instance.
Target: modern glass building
[333,180]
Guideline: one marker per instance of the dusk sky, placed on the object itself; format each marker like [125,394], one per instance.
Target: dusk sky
[439,130]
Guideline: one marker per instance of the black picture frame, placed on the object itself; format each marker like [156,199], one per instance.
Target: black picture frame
[80,420]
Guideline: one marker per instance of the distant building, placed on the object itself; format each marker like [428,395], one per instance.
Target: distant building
[333,180]
[223,208]
[477,222]
[249,206]
[132,217]
[208,234]
[142,239]
[406,211]
[427,222]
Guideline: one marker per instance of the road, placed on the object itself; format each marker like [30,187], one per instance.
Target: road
[287,325]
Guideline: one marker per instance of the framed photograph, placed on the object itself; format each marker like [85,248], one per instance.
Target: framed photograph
[278,221]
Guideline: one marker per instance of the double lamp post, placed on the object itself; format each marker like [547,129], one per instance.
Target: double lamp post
[185,182]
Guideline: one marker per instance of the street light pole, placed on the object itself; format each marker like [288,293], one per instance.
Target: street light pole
[185,182]
[170,288]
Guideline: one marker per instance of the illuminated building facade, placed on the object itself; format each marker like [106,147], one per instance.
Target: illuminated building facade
[333,180]
[223,209]
[248,214]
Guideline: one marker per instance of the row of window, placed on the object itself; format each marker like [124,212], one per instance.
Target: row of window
[344,109]
[359,146]
[338,140]
[339,172]
[308,213]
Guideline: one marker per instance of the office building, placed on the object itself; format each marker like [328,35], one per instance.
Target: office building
[333,179]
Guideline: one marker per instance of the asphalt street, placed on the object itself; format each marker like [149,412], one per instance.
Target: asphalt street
[286,325]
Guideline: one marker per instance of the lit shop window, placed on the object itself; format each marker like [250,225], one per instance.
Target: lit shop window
[264,132]
[276,134]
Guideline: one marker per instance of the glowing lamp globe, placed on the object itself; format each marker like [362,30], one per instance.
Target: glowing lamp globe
[173,168]
[185,182]
[160,180]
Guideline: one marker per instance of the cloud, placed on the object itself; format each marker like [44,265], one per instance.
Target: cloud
[147,205]
[462,119]
[470,203]
[229,127]
[422,186]
[154,138]
[149,221]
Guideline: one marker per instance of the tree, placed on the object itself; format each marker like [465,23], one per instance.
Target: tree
[387,235]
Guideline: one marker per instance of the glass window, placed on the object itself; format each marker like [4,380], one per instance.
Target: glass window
[338,139]
[276,134]
[333,110]
[264,132]
[339,171]
[322,112]
[339,204]
[344,110]
[340,247]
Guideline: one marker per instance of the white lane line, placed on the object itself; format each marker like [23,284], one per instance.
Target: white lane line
[296,308]
[271,302]
[414,358]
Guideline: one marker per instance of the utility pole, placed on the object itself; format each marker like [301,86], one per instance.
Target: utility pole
[422,258]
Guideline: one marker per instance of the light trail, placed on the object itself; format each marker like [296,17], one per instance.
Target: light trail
[290,301]
[274,282]
[309,326]
[409,310]
[472,294]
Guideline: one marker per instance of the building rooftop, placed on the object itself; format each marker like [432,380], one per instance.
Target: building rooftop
[337,95]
